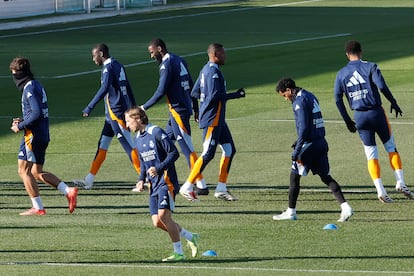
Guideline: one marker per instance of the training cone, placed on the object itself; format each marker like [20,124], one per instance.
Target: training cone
[210,253]
[330,227]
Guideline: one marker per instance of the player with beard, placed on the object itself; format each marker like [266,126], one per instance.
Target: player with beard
[175,83]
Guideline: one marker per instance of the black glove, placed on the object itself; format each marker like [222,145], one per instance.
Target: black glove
[241,92]
[397,109]
[351,126]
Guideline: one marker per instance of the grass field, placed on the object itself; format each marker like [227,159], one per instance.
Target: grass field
[110,232]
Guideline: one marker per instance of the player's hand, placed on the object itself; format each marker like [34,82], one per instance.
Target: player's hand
[394,106]
[15,125]
[351,126]
[241,92]
[152,171]
[140,186]
[15,128]
[16,120]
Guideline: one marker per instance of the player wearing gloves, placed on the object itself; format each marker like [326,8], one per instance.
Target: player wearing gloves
[361,82]
[210,90]
[310,150]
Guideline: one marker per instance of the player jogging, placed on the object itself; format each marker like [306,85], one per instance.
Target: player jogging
[157,154]
[310,150]
[360,81]
[117,94]
[175,83]
[32,152]
[210,90]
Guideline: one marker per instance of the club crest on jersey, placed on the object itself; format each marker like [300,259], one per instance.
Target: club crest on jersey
[151,144]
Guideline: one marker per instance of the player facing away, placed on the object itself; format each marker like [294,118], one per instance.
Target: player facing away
[117,94]
[157,155]
[35,125]
[175,83]
[310,150]
[360,81]
[210,90]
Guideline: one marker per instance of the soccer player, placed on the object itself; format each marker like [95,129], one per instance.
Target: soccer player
[116,91]
[175,83]
[310,150]
[361,82]
[157,155]
[210,90]
[35,125]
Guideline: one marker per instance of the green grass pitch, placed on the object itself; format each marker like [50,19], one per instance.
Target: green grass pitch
[110,232]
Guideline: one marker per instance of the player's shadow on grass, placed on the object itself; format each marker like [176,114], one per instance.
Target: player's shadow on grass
[219,260]
[246,259]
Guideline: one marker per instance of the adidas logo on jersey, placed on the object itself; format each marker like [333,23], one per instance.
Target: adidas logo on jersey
[355,79]
[164,202]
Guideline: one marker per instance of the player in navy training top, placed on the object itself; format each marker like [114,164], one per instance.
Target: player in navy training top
[210,90]
[35,124]
[117,94]
[157,155]
[360,81]
[175,83]
[310,150]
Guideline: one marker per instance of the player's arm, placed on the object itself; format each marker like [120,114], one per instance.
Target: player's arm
[161,89]
[338,94]
[100,94]
[195,96]
[216,86]
[170,149]
[302,128]
[240,93]
[379,81]
[35,110]
[143,174]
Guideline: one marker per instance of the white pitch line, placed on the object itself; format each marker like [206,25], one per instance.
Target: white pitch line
[227,49]
[156,19]
[213,268]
